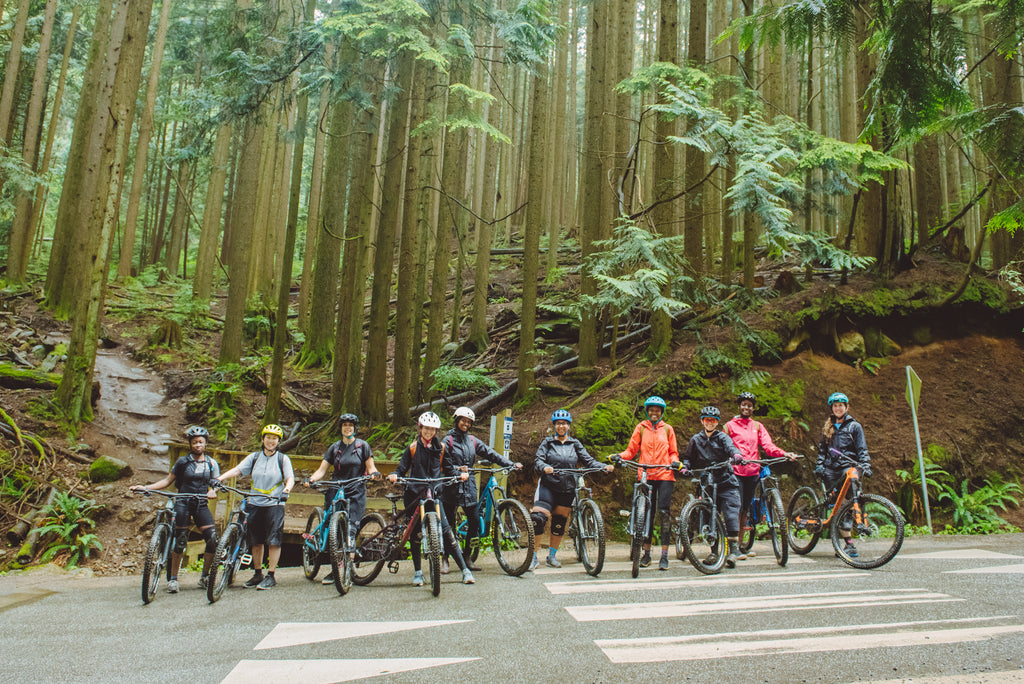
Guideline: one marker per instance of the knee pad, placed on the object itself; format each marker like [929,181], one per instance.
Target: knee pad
[558,524]
[210,535]
[540,521]
[181,540]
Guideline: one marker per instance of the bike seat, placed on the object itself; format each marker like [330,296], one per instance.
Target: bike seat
[393,497]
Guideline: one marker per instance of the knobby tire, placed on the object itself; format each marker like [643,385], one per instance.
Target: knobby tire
[878,538]
[639,531]
[337,551]
[370,551]
[222,569]
[434,548]
[590,537]
[155,562]
[704,537]
[777,527]
[311,547]
[803,505]
[513,539]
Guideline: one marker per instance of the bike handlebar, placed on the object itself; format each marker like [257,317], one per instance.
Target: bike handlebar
[491,470]
[711,468]
[647,466]
[578,471]
[772,461]
[247,494]
[427,480]
[171,495]
[321,484]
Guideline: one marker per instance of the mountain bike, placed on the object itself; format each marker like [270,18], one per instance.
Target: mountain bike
[766,507]
[504,525]
[701,527]
[377,543]
[586,526]
[233,551]
[875,524]
[640,516]
[327,531]
[158,555]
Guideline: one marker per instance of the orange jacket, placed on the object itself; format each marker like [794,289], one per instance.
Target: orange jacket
[653,445]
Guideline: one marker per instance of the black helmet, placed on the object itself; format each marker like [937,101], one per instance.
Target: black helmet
[746,396]
[348,418]
[197,431]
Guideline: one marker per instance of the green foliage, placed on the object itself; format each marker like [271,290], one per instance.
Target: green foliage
[974,512]
[732,358]
[68,520]
[908,491]
[610,424]
[449,379]
[214,402]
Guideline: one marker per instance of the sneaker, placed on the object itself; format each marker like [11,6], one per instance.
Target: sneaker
[711,559]
[254,581]
[417,578]
[645,560]
[267,582]
[730,556]
[172,586]
[329,579]
[850,550]
[467,577]
[534,563]
[470,565]
[751,553]
[740,555]
[663,563]
[553,562]
[203,581]
[445,569]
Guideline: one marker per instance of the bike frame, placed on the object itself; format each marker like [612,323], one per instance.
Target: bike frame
[851,485]
[340,502]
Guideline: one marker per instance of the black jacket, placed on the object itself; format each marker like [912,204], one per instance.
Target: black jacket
[849,439]
[571,454]
[463,449]
[703,451]
[425,463]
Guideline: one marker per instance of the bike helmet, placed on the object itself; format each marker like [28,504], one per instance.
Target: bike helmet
[746,396]
[348,418]
[465,412]
[430,419]
[655,401]
[838,398]
[561,414]
[272,429]
[196,431]
[710,412]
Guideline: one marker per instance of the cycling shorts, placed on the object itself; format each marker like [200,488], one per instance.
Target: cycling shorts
[549,499]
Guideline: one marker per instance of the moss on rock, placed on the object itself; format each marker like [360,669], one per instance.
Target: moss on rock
[108,469]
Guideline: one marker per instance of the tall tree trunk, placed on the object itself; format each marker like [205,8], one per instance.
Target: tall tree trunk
[695,204]
[749,223]
[210,233]
[180,216]
[11,72]
[313,215]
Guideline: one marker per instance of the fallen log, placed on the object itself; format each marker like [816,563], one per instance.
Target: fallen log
[28,549]
[16,534]
[16,378]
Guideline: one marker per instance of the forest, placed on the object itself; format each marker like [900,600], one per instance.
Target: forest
[400,196]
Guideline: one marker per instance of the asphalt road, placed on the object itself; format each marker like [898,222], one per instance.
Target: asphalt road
[947,609]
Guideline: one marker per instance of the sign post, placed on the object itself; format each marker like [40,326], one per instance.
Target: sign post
[914,399]
[501,441]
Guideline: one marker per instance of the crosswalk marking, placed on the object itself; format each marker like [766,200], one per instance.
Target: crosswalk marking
[756,604]
[1004,677]
[573,568]
[643,584]
[296,633]
[997,570]
[327,671]
[804,640]
[960,554]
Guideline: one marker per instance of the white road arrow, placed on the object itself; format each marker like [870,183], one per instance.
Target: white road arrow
[327,671]
[298,633]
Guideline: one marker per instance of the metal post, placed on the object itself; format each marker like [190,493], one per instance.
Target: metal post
[913,397]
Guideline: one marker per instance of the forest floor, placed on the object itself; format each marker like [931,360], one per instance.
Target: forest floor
[971,362]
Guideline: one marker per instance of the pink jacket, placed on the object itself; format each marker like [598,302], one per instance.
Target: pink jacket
[747,434]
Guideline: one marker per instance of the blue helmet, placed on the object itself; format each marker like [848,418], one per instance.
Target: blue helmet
[561,414]
[655,401]
[710,412]
[838,398]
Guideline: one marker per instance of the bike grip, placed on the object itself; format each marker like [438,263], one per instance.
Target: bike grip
[615,458]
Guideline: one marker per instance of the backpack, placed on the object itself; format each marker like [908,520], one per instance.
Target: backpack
[412,449]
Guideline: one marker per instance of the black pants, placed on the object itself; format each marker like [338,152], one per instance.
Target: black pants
[412,500]
[661,506]
[451,506]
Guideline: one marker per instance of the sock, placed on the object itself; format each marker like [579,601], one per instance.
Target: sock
[174,579]
[270,573]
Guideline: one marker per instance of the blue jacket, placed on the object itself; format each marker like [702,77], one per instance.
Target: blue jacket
[849,439]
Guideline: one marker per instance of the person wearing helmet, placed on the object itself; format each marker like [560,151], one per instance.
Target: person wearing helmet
[654,441]
[424,458]
[556,492]
[461,451]
[842,438]
[351,457]
[706,448]
[193,474]
[272,481]
[750,436]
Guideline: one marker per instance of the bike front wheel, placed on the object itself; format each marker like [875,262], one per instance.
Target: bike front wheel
[311,545]
[677,530]
[704,537]
[433,524]
[155,561]
[876,529]
[748,533]
[803,518]
[590,537]
[639,531]
[512,537]
[223,567]
[777,527]
[337,550]
[371,549]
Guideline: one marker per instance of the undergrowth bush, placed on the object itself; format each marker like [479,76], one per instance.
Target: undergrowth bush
[68,519]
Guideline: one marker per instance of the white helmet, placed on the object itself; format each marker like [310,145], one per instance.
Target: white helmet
[430,420]
[465,412]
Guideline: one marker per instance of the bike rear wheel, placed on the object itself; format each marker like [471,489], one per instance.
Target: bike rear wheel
[371,549]
[337,550]
[224,564]
[777,527]
[677,530]
[155,561]
[434,548]
[311,545]
[748,532]
[512,537]
[704,537]
[803,520]
[590,537]
[639,531]
[876,530]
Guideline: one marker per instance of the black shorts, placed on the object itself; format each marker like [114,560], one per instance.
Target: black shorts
[549,499]
[192,509]
[266,525]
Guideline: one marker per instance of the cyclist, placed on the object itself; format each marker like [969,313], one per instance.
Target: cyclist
[748,434]
[193,474]
[272,480]
[843,434]
[351,458]
[654,441]
[461,451]
[423,459]
[706,448]
[556,492]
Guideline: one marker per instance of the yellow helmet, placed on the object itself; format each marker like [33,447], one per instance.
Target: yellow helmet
[272,430]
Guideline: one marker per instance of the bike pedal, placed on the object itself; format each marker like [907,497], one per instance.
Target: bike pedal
[393,568]
[246,559]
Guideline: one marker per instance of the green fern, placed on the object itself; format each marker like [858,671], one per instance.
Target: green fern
[449,379]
